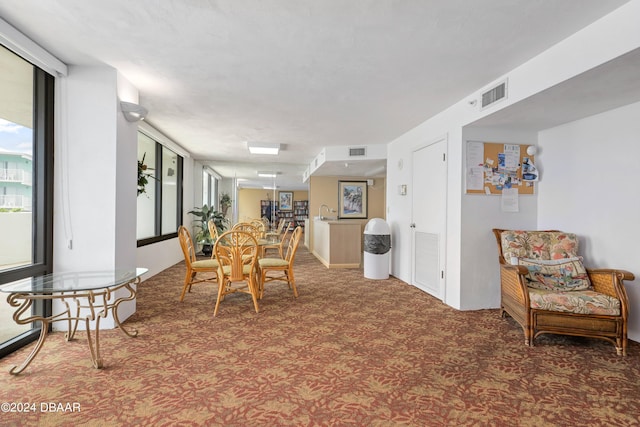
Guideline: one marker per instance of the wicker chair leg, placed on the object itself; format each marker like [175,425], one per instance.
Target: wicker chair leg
[528,337]
[621,346]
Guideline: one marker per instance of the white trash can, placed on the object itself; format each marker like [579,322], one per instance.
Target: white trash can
[377,244]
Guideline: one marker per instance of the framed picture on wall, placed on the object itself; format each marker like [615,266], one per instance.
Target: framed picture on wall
[285,199]
[352,199]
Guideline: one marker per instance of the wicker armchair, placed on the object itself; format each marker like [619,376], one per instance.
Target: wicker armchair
[597,311]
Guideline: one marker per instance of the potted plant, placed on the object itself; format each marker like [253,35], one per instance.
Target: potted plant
[225,203]
[143,175]
[202,236]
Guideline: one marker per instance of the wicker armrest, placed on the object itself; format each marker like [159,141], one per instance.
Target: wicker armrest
[519,269]
[512,282]
[621,274]
[609,281]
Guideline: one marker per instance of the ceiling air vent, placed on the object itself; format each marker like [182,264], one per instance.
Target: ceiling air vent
[357,151]
[495,94]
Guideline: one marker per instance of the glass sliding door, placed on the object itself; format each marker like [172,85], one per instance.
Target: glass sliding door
[26,176]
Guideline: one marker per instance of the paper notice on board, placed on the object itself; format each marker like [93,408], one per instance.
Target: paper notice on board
[475,154]
[510,200]
[511,156]
[475,171]
[475,178]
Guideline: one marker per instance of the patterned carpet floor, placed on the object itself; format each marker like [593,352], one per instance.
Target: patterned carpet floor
[348,352]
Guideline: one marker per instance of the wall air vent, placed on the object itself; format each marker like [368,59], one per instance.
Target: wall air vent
[495,94]
[357,151]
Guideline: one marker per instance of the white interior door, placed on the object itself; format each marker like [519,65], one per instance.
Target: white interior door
[429,217]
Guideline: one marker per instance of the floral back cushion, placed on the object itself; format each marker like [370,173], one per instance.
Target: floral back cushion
[545,245]
[557,275]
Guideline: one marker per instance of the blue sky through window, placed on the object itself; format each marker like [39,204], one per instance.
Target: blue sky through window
[15,138]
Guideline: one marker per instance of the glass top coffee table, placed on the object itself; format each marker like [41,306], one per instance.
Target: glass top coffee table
[87,296]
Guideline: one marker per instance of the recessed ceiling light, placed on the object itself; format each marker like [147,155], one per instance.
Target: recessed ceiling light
[263,148]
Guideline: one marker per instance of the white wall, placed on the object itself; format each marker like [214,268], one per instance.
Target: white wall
[94,219]
[469,220]
[480,277]
[590,188]
[159,256]
[85,170]
[125,203]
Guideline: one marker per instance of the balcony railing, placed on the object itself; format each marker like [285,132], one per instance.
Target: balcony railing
[15,175]
[15,201]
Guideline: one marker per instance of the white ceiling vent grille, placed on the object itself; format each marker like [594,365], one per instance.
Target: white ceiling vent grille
[357,151]
[495,94]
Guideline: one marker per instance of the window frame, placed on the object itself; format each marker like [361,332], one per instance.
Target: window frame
[213,184]
[42,203]
[157,183]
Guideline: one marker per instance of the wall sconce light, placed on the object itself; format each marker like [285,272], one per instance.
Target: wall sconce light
[532,150]
[133,112]
[263,148]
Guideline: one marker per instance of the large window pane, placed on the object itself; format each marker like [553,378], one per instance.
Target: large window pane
[26,176]
[146,192]
[169,191]
[209,189]
[16,160]
[160,200]
[16,172]
[205,187]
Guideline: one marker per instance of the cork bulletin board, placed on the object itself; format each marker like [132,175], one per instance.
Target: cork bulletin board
[492,167]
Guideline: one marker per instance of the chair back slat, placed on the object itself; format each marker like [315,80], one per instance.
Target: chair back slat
[280,226]
[237,254]
[234,250]
[294,241]
[213,230]
[249,228]
[186,243]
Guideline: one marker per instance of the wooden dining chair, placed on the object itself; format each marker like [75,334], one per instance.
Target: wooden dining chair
[213,232]
[267,224]
[249,228]
[280,242]
[193,265]
[283,268]
[237,254]
[278,231]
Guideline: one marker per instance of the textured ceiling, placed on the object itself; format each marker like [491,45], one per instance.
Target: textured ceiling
[304,73]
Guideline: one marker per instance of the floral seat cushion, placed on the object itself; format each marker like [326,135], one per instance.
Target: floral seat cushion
[581,302]
[546,245]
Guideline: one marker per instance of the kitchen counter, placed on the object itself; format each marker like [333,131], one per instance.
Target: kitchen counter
[338,243]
